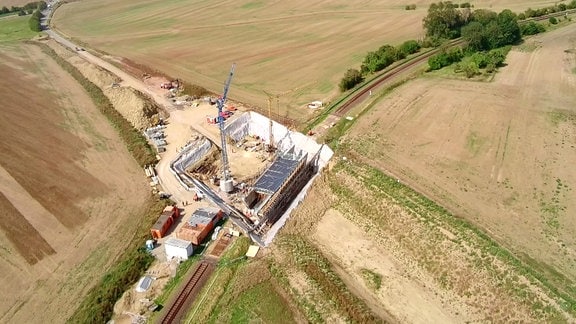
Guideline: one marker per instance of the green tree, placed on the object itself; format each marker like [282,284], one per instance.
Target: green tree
[443,20]
[509,29]
[532,28]
[409,47]
[351,78]
[484,16]
[474,34]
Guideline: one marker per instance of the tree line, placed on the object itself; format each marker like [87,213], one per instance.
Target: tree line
[27,9]
[488,35]
[532,13]
[376,61]
[34,21]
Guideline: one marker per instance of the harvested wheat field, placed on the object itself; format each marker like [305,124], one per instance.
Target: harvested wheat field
[10,3]
[64,214]
[299,48]
[498,154]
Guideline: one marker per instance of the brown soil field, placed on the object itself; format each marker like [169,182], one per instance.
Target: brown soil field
[499,154]
[64,214]
[9,3]
[299,47]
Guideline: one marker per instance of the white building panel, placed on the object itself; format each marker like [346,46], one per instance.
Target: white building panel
[177,248]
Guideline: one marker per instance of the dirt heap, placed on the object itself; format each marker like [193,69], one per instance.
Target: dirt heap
[131,103]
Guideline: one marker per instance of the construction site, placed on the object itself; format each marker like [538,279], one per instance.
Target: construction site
[251,167]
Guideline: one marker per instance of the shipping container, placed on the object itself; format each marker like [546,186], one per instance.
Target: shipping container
[161,226]
[177,248]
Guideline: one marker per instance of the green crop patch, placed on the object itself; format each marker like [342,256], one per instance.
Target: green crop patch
[15,28]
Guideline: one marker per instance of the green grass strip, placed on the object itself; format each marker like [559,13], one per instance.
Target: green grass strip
[134,140]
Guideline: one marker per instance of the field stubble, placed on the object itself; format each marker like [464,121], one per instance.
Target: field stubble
[282,46]
[55,156]
[498,154]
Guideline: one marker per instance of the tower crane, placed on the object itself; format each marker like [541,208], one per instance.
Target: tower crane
[270,132]
[225,183]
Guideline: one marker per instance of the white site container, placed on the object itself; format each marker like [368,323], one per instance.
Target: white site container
[177,248]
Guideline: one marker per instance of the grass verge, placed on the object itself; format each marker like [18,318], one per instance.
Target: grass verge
[332,138]
[134,140]
[382,187]
[98,306]
[318,269]
[209,299]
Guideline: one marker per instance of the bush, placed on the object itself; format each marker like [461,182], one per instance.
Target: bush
[382,58]
[465,5]
[571,5]
[470,69]
[34,21]
[522,16]
[553,20]
[479,59]
[532,28]
[351,78]
[194,90]
[445,58]
[409,47]
[410,7]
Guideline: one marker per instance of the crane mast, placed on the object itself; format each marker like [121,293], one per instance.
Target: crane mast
[225,183]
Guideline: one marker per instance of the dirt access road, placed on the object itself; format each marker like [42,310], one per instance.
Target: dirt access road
[178,135]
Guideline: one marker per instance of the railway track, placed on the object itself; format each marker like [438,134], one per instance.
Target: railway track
[192,287]
[362,93]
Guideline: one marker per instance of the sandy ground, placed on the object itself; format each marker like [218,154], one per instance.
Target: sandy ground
[410,297]
[71,210]
[499,154]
